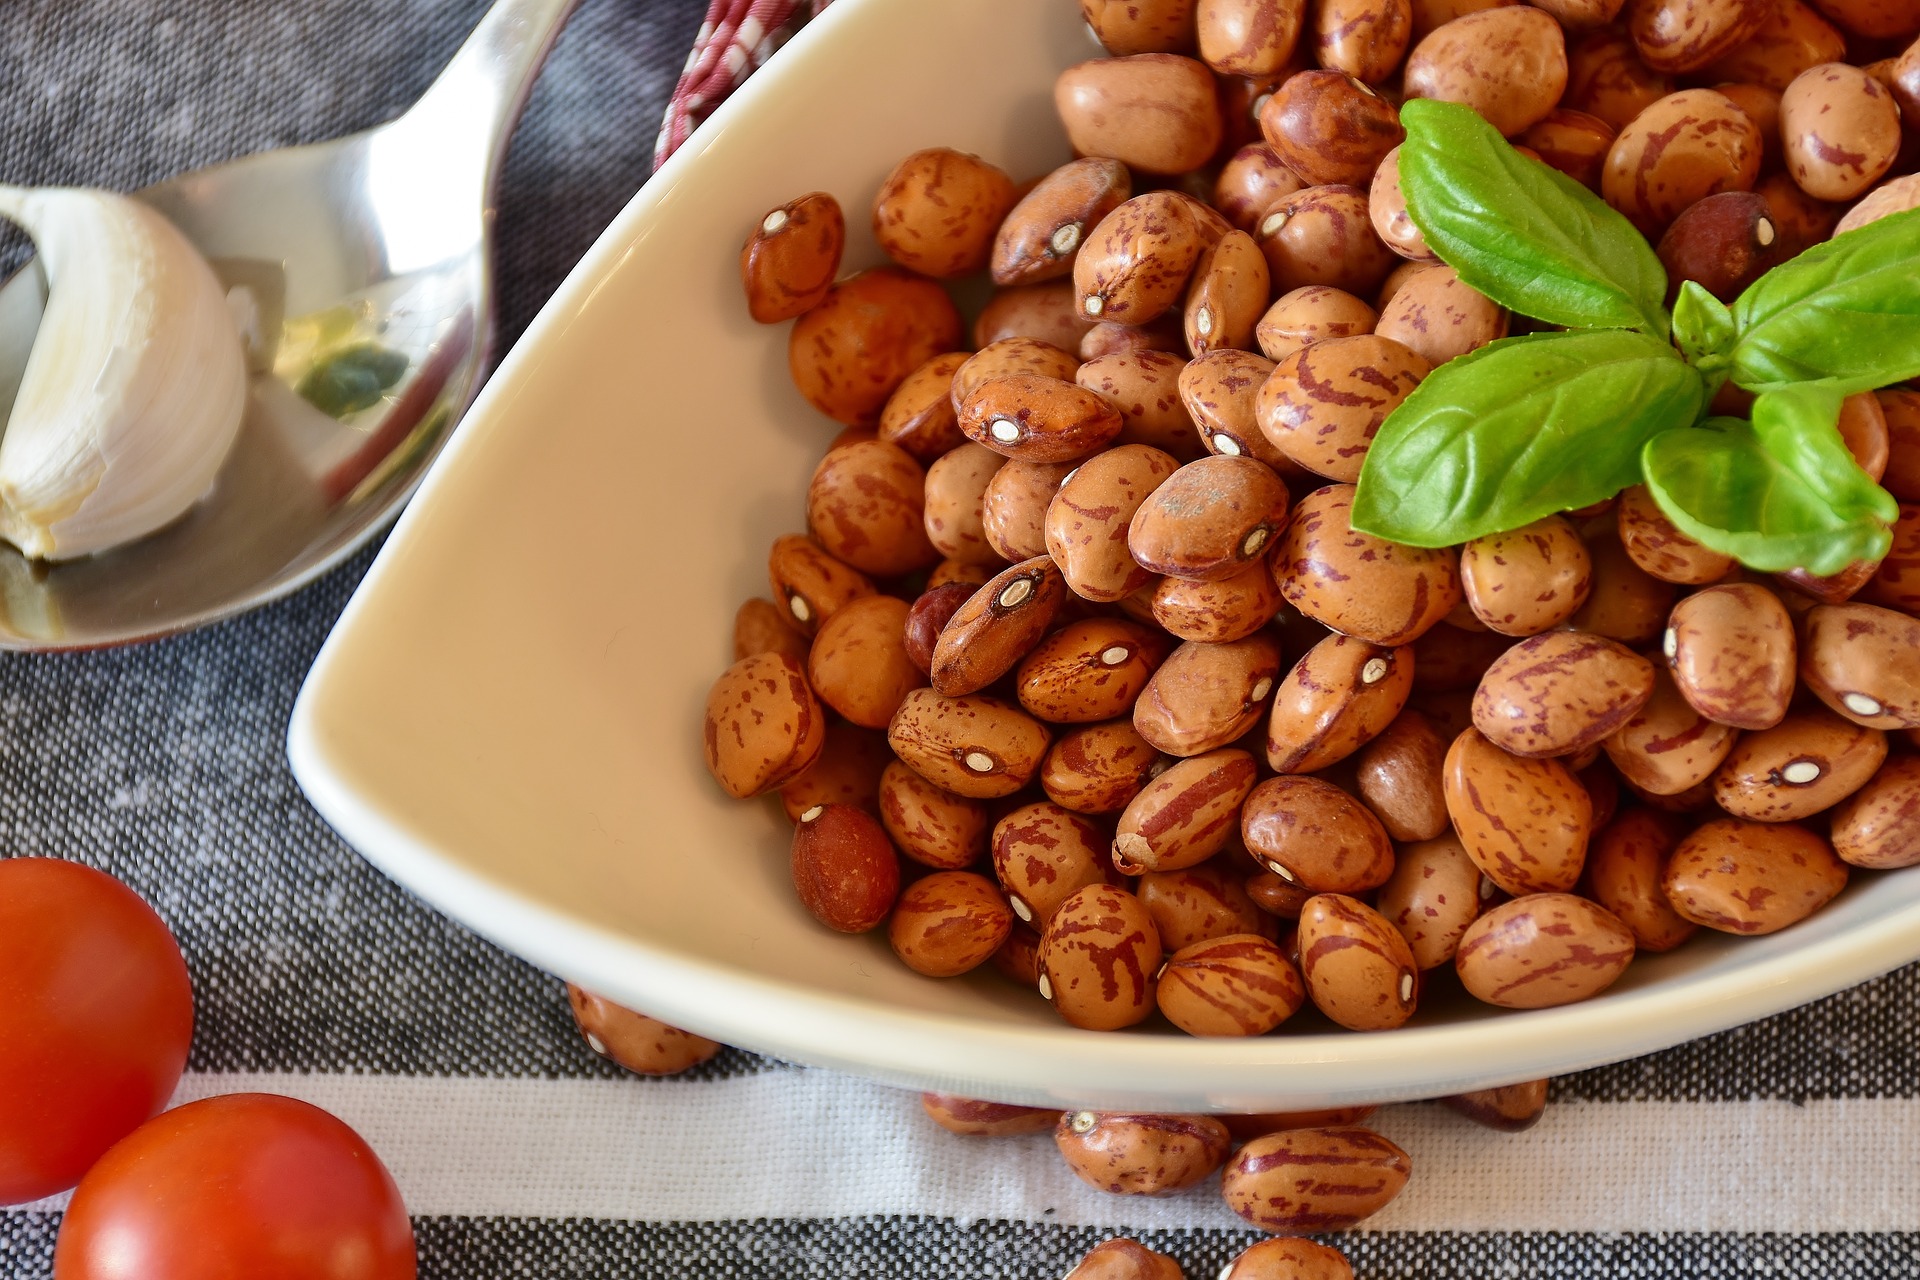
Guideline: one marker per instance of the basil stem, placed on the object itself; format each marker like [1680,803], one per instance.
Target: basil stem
[1524,234]
[1521,429]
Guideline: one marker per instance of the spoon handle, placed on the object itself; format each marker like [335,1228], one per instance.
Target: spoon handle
[485,86]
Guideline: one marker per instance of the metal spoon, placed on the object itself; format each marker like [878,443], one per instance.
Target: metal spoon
[360,270]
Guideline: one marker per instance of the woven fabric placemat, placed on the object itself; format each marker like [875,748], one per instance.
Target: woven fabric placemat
[1787,1148]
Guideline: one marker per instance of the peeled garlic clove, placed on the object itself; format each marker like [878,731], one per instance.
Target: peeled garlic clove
[136,383]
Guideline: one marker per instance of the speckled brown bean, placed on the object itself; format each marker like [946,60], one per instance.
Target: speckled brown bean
[1624,872]
[1311,1180]
[1251,180]
[994,629]
[1227,295]
[1801,218]
[1626,603]
[1882,19]
[1810,761]
[1122,1259]
[1042,853]
[1840,130]
[1658,547]
[1607,80]
[1542,950]
[811,584]
[1560,692]
[1724,243]
[1219,390]
[635,1041]
[1896,583]
[1013,510]
[1668,746]
[1248,37]
[1217,611]
[975,1118]
[1138,1154]
[1358,584]
[1208,519]
[1893,196]
[1364,38]
[1574,142]
[1901,409]
[761,626]
[1311,314]
[845,871]
[1042,235]
[1528,580]
[933,827]
[1098,768]
[849,352]
[1399,776]
[864,505]
[1088,518]
[1186,815]
[1005,359]
[919,415]
[1144,387]
[1323,404]
[1683,148]
[1338,697]
[1234,985]
[1089,670]
[1791,38]
[1731,649]
[1510,1108]
[763,725]
[948,923]
[1323,235]
[1432,896]
[1330,128]
[1288,1258]
[929,616]
[973,746]
[1098,957]
[1046,312]
[1358,968]
[954,503]
[1752,877]
[1201,903]
[938,210]
[789,262]
[1676,36]
[1137,259]
[859,666]
[1860,660]
[1387,209]
[1154,112]
[1127,27]
[1879,825]
[1309,832]
[847,771]
[1439,318]
[1524,822]
[1034,418]
[1205,695]
[1508,64]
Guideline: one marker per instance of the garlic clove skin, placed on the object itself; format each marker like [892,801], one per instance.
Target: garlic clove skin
[136,384]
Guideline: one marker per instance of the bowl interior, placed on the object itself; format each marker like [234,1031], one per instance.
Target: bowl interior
[507,719]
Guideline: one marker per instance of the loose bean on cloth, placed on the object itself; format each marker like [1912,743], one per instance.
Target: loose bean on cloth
[1783,1148]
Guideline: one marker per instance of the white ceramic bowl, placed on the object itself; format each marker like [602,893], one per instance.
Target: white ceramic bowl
[507,719]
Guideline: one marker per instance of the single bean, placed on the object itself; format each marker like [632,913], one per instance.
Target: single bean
[1509,1108]
[1218,612]
[1098,768]
[1144,386]
[1323,236]
[1155,112]
[955,503]
[1098,957]
[1005,359]
[635,1041]
[761,626]
[1330,127]
[1227,295]
[848,353]
[1682,149]
[1607,80]
[1574,142]
[1508,64]
[1400,776]
[1752,877]
[788,264]
[1358,584]
[1810,761]
[996,627]
[1878,826]
[1288,1258]
[1124,1260]
[1043,234]
[1625,603]
[1309,832]
[1042,853]
[933,827]
[1013,510]
[1434,893]
[1199,904]
[1322,405]
[1034,418]
[1208,519]
[1302,1180]
[1337,698]
[1087,517]
[811,584]
[1186,814]
[1541,950]
[1677,36]
[1860,660]
[938,211]
[1235,985]
[1364,38]
[975,1118]
[919,415]
[1219,390]
[763,725]
[948,923]
[1840,130]
[973,746]
[1048,312]
[1440,318]
[1560,692]
[845,871]
[1308,315]
[1127,27]
[1626,871]
[1205,696]
[1668,747]
[1524,822]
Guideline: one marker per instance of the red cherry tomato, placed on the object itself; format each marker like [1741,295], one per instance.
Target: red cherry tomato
[95,1016]
[241,1187]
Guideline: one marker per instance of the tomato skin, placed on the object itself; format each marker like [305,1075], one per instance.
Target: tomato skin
[95,1016]
[239,1187]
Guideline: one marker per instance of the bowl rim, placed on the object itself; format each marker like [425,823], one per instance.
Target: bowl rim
[1051,1065]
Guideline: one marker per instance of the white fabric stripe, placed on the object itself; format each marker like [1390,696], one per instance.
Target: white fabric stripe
[811,1144]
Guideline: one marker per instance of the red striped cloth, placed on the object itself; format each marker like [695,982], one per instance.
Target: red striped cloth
[737,36]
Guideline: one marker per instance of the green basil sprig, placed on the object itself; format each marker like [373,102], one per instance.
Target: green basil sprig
[1530,426]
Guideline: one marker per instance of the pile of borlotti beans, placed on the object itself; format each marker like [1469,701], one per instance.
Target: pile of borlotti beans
[1080,670]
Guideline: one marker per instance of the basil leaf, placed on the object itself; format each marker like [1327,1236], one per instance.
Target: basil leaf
[1799,429]
[1521,429]
[1721,485]
[1702,327]
[1844,314]
[1524,234]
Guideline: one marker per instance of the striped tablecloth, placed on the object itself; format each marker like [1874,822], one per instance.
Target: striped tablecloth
[1788,1148]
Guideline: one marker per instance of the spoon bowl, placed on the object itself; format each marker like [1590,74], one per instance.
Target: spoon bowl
[359,272]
